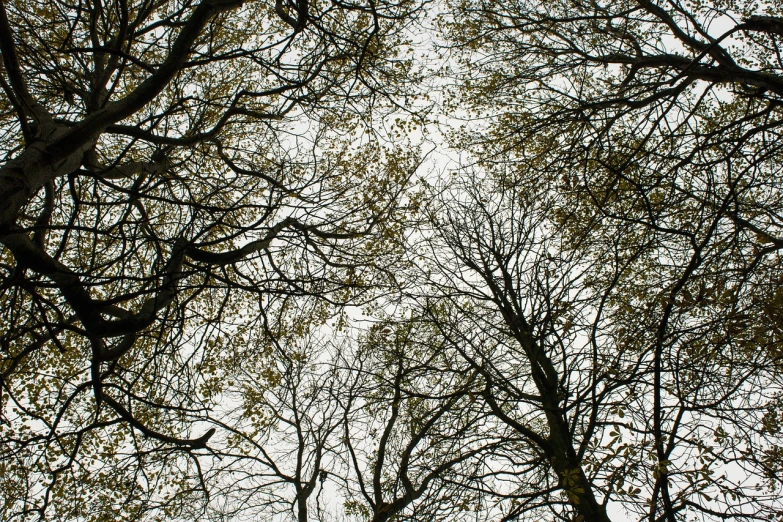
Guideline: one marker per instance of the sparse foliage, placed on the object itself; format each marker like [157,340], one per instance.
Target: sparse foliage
[636,148]
[224,296]
[174,174]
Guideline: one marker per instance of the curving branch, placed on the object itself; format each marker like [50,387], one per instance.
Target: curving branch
[198,443]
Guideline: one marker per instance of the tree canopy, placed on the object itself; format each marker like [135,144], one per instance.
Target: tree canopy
[235,287]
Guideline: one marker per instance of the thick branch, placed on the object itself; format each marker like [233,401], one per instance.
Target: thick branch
[198,443]
[145,92]
[88,310]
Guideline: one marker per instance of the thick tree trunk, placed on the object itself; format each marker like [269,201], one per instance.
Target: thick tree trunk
[565,462]
[22,177]
[558,446]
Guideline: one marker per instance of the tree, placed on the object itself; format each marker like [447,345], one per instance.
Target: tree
[634,149]
[415,443]
[172,174]
[382,427]
[570,355]
[280,455]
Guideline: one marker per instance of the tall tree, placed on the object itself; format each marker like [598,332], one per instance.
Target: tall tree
[651,131]
[658,409]
[386,426]
[172,174]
